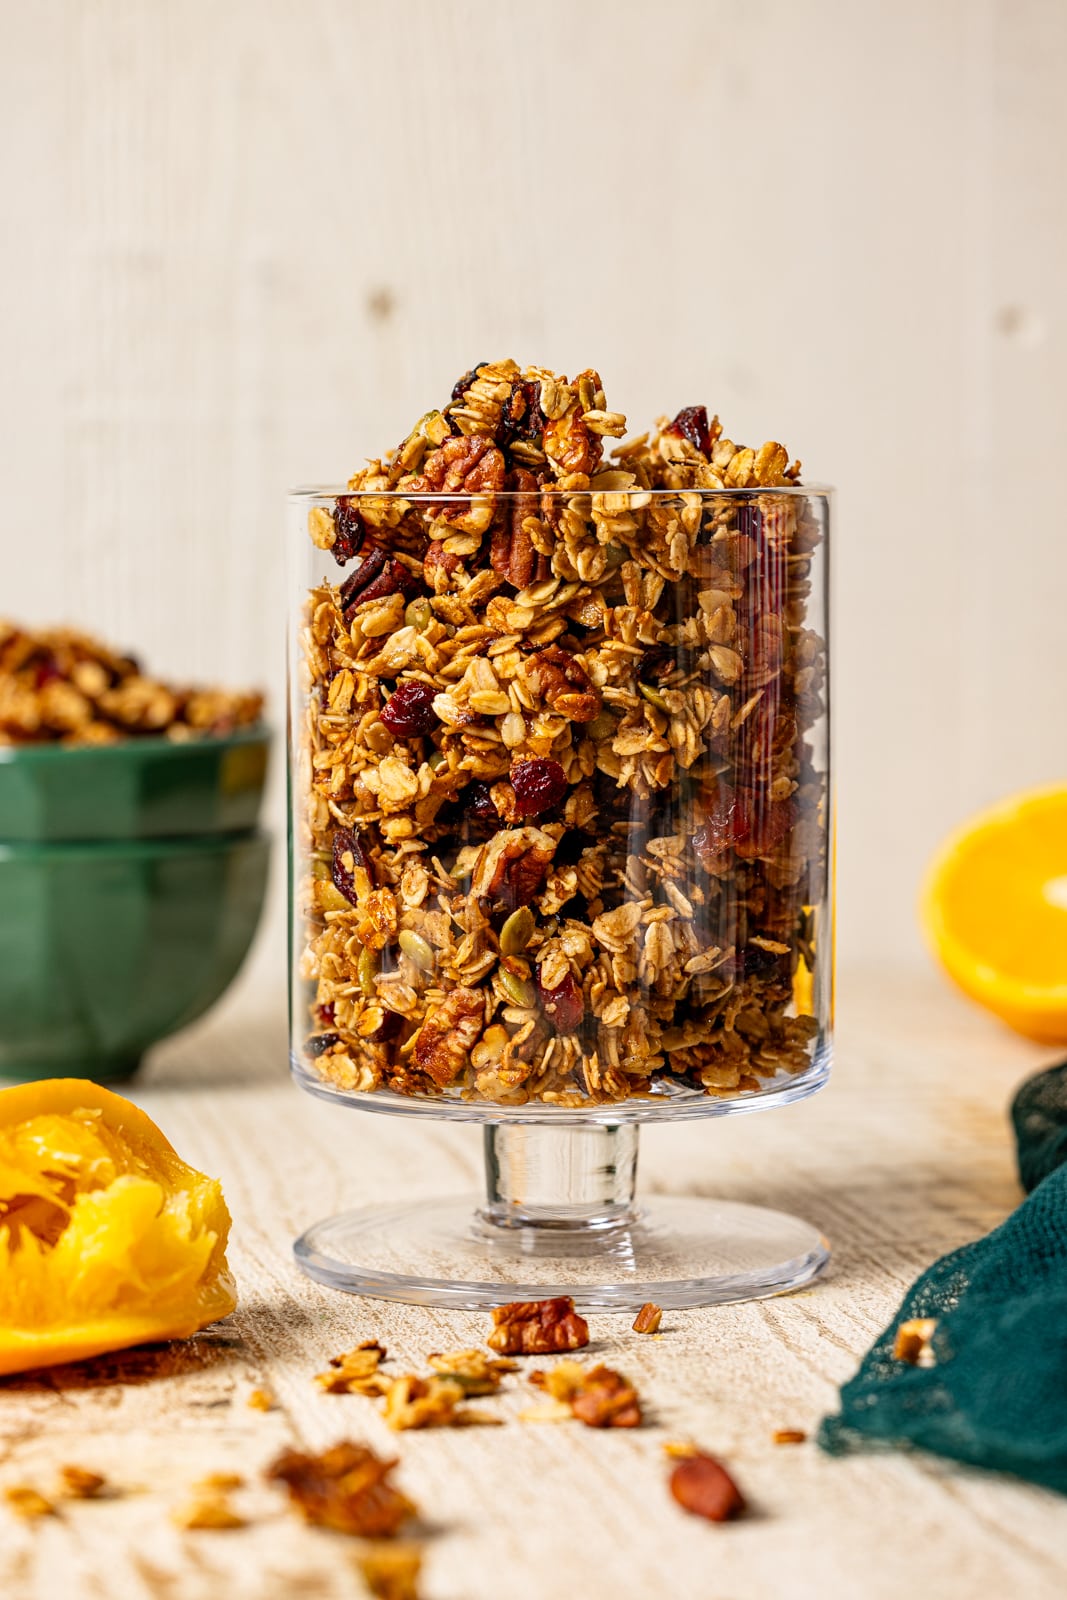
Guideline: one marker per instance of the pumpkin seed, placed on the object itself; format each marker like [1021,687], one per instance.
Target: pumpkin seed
[653,697]
[435,759]
[517,931]
[518,989]
[602,727]
[419,615]
[616,554]
[416,949]
[367,971]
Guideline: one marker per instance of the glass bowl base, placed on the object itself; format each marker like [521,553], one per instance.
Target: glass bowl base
[675,1251]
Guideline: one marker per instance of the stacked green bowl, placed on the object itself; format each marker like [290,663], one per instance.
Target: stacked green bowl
[132,878]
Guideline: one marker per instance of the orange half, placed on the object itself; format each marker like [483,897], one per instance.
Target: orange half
[994,911]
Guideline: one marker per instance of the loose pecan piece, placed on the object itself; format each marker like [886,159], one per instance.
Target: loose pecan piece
[537,1328]
[563,682]
[605,1399]
[449,1034]
[511,551]
[346,1488]
[703,1487]
[648,1318]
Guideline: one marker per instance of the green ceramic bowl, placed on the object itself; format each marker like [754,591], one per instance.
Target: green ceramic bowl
[107,948]
[137,789]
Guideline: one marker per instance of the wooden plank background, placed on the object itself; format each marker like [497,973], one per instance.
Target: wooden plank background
[246,242]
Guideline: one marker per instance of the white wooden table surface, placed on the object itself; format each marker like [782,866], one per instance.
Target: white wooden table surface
[904,1156]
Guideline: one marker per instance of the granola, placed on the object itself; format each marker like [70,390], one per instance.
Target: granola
[560,811]
[60,686]
[598,1396]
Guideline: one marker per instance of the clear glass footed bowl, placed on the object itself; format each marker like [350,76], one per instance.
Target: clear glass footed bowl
[560,801]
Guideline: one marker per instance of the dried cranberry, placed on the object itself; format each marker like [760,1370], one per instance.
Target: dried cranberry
[563,1005]
[326,1014]
[350,529]
[692,423]
[539,785]
[47,672]
[460,389]
[319,1043]
[725,826]
[346,843]
[480,807]
[743,821]
[409,712]
[387,1029]
[521,416]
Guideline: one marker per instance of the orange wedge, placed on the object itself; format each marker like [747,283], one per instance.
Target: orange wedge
[994,911]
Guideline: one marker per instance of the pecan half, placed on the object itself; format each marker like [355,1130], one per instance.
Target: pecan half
[537,1328]
[511,551]
[377,575]
[511,868]
[704,1487]
[467,462]
[448,1035]
[564,684]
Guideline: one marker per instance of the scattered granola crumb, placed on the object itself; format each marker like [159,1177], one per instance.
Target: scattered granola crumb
[27,1503]
[346,1488]
[207,1510]
[414,1402]
[702,1486]
[262,1400]
[789,1436]
[913,1342]
[551,1411]
[648,1318]
[598,1396]
[356,1371]
[219,1480]
[679,1449]
[391,1572]
[75,1483]
[477,1373]
[537,1327]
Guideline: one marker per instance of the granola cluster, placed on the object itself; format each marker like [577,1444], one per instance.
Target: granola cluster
[561,821]
[60,686]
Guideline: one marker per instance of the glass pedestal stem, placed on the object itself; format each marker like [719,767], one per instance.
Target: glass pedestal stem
[539,1175]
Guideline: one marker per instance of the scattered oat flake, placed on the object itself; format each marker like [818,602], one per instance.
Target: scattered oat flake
[648,1318]
[702,1486]
[789,1436]
[261,1400]
[219,1480]
[391,1572]
[537,1327]
[913,1342]
[346,1488]
[551,1411]
[76,1483]
[28,1503]
[207,1511]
